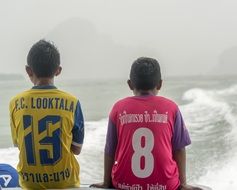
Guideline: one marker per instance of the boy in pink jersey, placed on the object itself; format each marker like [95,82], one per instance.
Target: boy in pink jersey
[146,137]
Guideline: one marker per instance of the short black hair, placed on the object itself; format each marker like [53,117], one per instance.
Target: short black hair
[145,73]
[43,58]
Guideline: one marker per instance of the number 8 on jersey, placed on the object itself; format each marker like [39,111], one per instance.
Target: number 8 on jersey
[142,159]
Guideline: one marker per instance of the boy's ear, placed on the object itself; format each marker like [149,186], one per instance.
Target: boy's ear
[130,84]
[158,87]
[29,71]
[58,71]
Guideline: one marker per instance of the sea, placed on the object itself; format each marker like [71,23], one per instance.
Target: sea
[208,105]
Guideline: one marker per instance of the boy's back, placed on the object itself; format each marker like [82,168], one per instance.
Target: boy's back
[145,128]
[45,123]
[146,136]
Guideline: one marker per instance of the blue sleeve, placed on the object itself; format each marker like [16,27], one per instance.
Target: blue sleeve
[8,176]
[78,128]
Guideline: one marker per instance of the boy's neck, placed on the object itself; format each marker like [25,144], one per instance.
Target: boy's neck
[44,82]
[152,92]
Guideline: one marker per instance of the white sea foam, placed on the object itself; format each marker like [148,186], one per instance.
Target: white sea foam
[206,106]
[223,178]
[232,90]
[205,110]
[91,158]
[9,156]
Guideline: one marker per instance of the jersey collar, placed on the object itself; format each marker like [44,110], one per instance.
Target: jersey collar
[45,87]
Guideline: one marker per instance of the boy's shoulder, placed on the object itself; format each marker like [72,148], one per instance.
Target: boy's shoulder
[66,94]
[19,95]
[155,99]
[149,102]
[41,92]
[166,100]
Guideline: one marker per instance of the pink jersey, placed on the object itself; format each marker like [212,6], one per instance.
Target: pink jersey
[143,132]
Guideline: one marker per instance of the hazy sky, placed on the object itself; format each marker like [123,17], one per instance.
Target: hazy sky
[100,38]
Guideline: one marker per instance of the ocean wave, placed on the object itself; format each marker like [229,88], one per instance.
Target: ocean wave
[207,107]
[232,90]
[223,178]
[211,118]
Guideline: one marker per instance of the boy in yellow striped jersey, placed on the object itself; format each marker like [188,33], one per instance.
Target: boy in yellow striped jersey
[47,125]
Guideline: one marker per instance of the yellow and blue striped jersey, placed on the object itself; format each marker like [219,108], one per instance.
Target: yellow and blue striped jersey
[45,122]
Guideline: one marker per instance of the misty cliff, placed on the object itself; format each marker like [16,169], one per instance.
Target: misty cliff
[227,63]
[88,53]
